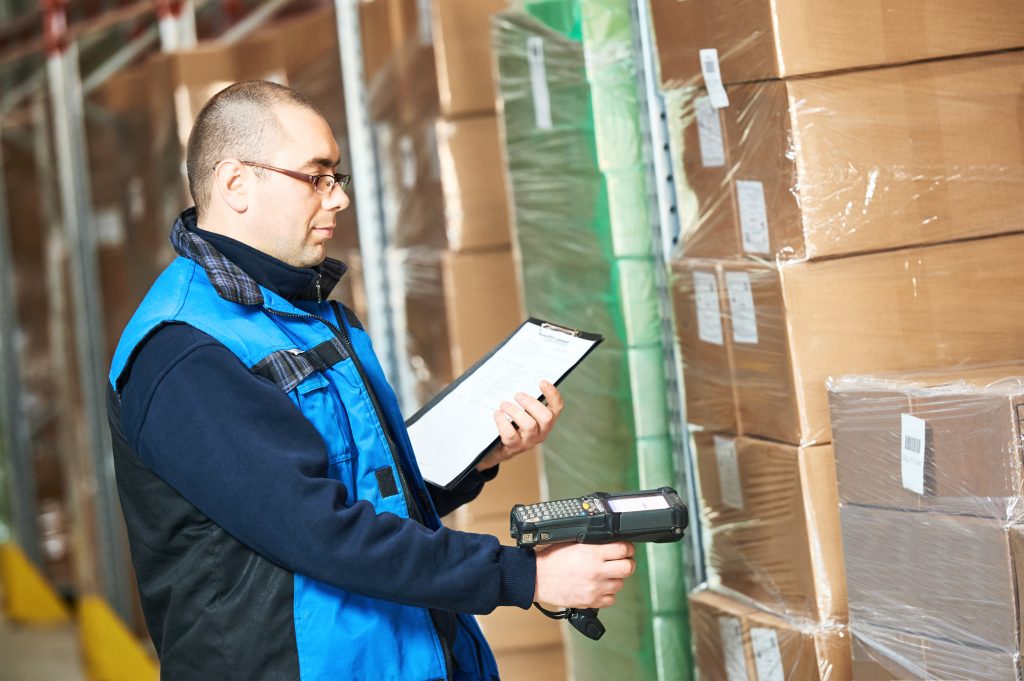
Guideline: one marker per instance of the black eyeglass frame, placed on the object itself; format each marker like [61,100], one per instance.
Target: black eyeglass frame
[338,178]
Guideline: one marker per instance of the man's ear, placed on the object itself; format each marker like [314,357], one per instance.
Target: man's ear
[231,182]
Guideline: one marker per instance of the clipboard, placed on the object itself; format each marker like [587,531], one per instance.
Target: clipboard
[453,432]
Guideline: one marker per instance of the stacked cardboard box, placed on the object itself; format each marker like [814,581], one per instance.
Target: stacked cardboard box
[830,221]
[450,255]
[444,209]
[580,212]
[930,478]
[735,641]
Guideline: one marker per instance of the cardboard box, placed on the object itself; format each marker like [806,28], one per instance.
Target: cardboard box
[721,640]
[881,654]
[791,650]
[902,310]
[201,72]
[473,179]
[510,628]
[482,301]
[702,332]
[760,39]
[701,172]
[941,576]
[772,517]
[942,441]
[857,162]
[462,48]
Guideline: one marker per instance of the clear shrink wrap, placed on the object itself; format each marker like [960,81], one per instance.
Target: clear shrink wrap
[762,39]
[929,470]
[853,162]
[579,199]
[789,326]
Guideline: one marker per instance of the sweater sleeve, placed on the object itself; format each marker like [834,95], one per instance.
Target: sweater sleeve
[241,452]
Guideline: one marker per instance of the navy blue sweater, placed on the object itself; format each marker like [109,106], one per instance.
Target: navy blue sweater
[234,446]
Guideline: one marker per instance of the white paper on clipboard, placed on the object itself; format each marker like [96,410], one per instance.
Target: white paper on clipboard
[451,433]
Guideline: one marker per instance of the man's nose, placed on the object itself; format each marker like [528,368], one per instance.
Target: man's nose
[337,199]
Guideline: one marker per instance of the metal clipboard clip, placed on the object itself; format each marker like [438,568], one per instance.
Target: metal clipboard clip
[556,333]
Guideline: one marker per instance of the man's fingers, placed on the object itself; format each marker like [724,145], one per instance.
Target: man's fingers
[619,569]
[509,435]
[553,397]
[527,424]
[619,550]
[544,417]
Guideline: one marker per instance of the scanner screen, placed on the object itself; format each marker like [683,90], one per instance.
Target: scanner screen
[628,504]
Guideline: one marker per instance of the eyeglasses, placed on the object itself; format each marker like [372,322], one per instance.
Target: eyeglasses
[322,184]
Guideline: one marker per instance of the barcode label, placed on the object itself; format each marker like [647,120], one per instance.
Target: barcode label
[912,453]
[911,444]
[709,313]
[709,134]
[713,78]
[539,82]
[741,307]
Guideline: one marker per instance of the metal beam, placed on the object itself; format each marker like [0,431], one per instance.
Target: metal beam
[367,188]
[66,98]
[667,233]
[17,473]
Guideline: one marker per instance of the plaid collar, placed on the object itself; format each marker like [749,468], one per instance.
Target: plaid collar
[230,282]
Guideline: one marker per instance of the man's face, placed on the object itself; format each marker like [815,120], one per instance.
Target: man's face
[293,221]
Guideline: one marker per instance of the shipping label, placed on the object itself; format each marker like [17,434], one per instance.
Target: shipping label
[539,82]
[731,632]
[709,133]
[741,307]
[728,472]
[753,216]
[709,314]
[767,659]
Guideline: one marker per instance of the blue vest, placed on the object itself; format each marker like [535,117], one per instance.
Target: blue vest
[339,634]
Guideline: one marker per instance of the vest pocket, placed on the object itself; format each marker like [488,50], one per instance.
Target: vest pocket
[319,403]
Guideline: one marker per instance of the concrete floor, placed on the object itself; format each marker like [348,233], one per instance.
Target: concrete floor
[38,654]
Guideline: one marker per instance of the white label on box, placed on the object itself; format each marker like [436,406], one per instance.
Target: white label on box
[753,216]
[728,472]
[767,659]
[407,152]
[912,443]
[741,307]
[539,82]
[732,647]
[709,314]
[713,78]
[709,134]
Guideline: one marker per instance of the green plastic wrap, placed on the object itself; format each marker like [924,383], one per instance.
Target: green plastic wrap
[580,203]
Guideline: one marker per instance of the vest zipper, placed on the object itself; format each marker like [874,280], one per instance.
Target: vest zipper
[342,334]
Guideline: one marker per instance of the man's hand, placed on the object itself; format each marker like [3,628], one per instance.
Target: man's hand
[582,575]
[533,421]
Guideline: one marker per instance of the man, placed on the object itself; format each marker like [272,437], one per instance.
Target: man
[279,526]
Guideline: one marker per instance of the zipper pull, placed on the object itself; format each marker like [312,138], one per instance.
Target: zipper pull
[318,296]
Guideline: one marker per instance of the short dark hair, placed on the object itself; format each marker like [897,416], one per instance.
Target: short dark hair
[238,122]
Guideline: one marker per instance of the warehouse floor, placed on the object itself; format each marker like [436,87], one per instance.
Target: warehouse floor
[43,654]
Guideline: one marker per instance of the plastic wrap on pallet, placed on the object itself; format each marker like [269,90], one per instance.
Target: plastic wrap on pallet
[569,111]
[757,40]
[735,641]
[770,518]
[929,469]
[846,163]
[788,327]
